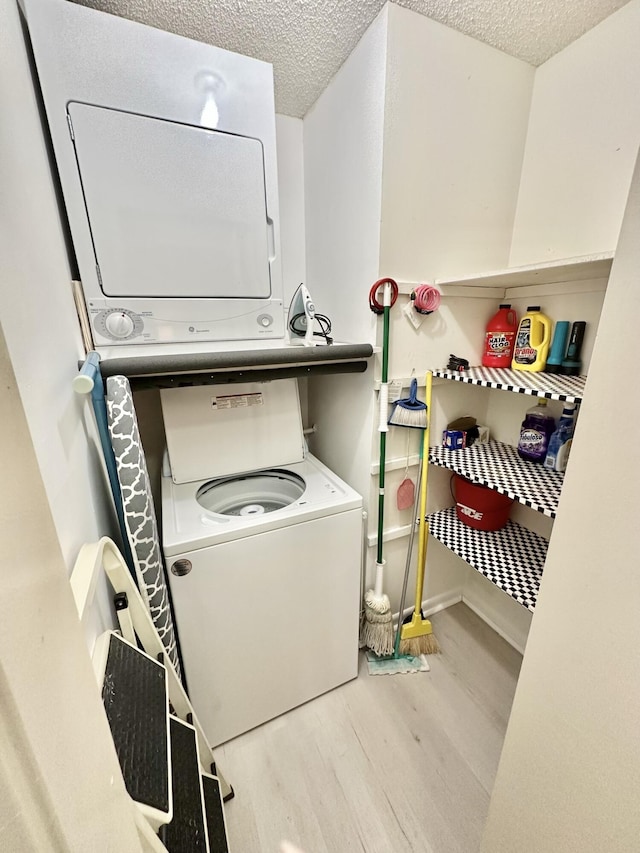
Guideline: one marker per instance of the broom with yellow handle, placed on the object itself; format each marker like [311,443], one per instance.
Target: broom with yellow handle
[416,636]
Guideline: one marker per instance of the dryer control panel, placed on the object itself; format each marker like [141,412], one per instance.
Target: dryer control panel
[243,321]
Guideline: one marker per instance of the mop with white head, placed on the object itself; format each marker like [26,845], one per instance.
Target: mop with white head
[376,631]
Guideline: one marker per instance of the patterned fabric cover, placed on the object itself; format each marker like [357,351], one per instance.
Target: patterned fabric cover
[139,510]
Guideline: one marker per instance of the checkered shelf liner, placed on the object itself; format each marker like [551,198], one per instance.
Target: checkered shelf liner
[512,558]
[547,385]
[499,467]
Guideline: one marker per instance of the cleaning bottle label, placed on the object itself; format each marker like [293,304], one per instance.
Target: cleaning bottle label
[524,352]
[499,338]
[532,442]
[499,343]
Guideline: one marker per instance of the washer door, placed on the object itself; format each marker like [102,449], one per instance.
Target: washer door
[256,493]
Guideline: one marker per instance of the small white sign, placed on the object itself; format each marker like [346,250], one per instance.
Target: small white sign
[412,316]
[395,390]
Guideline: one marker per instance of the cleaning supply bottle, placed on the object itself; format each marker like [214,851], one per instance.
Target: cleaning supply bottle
[560,441]
[499,338]
[558,347]
[535,432]
[532,341]
[572,363]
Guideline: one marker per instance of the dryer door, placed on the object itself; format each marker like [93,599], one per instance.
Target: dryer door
[174,210]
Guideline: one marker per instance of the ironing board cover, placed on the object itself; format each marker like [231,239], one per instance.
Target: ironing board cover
[139,511]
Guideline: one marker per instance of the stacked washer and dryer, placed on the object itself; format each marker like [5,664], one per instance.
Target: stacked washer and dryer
[165,149]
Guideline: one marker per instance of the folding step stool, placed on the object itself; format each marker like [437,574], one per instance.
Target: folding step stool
[166,762]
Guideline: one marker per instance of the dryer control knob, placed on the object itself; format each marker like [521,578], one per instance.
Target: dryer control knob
[119,324]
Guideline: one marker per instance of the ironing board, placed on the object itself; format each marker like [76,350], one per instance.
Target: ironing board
[139,511]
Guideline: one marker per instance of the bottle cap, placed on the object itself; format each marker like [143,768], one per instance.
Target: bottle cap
[504,305]
[533,308]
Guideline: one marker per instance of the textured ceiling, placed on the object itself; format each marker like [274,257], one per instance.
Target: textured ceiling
[308,41]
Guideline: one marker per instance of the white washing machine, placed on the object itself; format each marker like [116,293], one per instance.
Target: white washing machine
[263,546]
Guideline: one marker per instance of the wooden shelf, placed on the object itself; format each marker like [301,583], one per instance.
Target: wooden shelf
[550,272]
[585,274]
[511,558]
[498,466]
[549,385]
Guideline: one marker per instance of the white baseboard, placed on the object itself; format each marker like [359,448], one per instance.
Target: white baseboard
[507,618]
[440,602]
[514,634]
[517,645]
[433,605]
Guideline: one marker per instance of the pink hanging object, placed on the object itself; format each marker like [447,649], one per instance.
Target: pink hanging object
[406,494]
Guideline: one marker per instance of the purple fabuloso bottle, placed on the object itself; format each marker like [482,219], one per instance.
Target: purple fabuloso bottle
[537,428]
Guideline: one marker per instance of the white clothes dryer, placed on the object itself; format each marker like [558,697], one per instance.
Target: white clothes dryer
[263,545]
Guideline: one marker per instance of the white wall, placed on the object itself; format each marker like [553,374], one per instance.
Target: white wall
[38,315]
[569,777]
[503,613]
[583,138]
[438,196]
[455,124]
[343,172]
[290,154]
[455,129]
[60,783]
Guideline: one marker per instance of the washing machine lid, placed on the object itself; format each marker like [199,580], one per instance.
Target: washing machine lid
[218,430]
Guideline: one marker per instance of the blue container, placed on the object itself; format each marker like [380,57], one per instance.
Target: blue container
[558,347]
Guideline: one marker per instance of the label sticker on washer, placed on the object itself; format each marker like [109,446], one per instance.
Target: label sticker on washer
[237,401]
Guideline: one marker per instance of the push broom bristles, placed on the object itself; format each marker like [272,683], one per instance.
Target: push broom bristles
[423,644]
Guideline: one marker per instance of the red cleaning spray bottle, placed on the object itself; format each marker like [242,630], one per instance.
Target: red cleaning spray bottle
[499,338]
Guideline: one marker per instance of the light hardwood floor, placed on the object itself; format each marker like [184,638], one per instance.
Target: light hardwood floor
[383,764]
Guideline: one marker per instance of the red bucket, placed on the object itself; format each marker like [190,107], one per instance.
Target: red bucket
[480,507]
